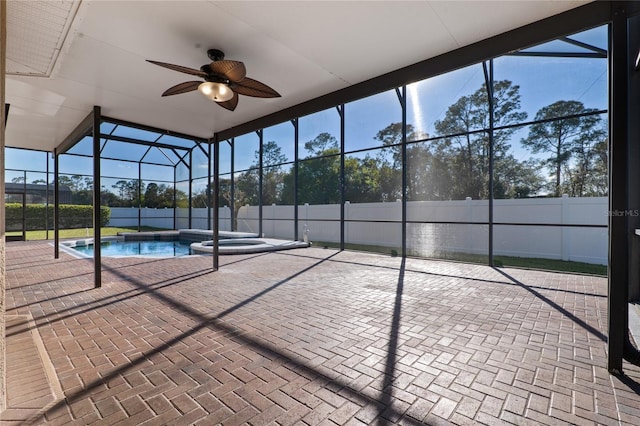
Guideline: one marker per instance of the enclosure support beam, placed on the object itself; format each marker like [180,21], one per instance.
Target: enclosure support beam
[618,228]
[232,184]
[153,129]
[83,129]
[632,288]
[97,255]
[260,177]
[24,205]
[340,109]
[46,204]
[296,153]
[634,154]
[189,205]
[488,81]
[209,201]
[139,196]
[56,205]
[175,204]
[402,97]
[216,204]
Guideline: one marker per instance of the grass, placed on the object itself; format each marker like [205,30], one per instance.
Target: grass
[81,232]
[532,263]
[499,261]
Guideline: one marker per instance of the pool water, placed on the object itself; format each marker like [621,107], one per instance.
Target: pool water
[138,248]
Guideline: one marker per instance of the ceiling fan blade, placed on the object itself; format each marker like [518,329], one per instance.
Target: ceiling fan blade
[231,104]
[179,68]
[251,87]
[185,87]
[231,70]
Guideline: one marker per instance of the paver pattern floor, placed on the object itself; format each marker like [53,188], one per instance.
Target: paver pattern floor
[315,336]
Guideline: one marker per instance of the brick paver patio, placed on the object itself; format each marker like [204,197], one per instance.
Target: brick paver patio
[309,336]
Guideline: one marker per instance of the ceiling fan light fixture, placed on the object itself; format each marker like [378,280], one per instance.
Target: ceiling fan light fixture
[224,80]
[218,92]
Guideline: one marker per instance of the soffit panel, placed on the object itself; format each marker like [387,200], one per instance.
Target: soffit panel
[36,31]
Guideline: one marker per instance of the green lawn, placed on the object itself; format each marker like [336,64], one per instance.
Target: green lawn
[532,263]
[517,262]
[82,232]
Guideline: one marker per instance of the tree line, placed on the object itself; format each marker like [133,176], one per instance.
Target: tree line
[566,151]
[124,193]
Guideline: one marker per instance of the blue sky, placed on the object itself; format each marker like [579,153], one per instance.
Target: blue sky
[542,81]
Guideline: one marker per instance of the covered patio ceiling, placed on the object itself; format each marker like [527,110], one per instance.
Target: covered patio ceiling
[65,57]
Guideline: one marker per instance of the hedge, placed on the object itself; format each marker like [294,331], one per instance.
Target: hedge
[71,216]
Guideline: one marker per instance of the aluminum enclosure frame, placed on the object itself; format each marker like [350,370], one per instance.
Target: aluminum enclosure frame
[624,141]
[624,249]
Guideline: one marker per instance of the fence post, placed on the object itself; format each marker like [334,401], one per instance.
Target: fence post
[469,234]
[273,220]
[398,204]
[306,223]
[566,232]
[346,220]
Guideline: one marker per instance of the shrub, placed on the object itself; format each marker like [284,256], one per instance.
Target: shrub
[71,216]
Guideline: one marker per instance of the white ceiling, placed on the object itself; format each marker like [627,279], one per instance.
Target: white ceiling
[303,49]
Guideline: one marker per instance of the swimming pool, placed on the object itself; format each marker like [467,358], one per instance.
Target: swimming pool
[182,242]
[138,248]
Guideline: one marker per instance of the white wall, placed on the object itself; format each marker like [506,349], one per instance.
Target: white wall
[577,244]
[322,222]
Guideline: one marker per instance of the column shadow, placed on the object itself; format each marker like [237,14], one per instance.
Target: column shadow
[220,324]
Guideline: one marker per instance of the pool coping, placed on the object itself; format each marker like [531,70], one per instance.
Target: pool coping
[252,245]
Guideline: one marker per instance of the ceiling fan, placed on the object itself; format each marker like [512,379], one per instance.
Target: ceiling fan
[224,80]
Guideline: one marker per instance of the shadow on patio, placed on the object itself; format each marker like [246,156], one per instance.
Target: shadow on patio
[350,337]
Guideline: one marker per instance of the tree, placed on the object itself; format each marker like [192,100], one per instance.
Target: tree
[391,136]
[588,175]
[599,175]
[246,188]
[151,196]
[566,133]
[271,154]
[108,198]
[427,172]
[321,144]
[465,149]
[516,179]
[168,196]
[272,174]
[129,192]
[318,178]
[247,183]
[418,163]
[224,194]
[362,180]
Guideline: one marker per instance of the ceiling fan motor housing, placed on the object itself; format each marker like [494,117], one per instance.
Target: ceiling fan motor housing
[215,54]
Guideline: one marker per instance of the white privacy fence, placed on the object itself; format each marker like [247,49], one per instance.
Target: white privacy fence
[379,224]
[163,218]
